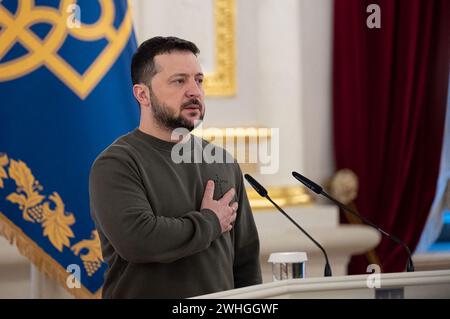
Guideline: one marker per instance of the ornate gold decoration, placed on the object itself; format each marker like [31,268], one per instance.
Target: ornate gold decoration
[56,223]
[3,162]
[232,132]
[283,195]
[44,52]
[222,81]
[242,137]
[344,186]
[92,260]
[26,195]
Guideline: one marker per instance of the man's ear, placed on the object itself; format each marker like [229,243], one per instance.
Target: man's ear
[142,94]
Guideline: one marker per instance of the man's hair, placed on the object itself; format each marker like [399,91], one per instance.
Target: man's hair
[143,65]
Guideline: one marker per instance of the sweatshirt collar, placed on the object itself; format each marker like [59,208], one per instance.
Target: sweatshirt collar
[154,141]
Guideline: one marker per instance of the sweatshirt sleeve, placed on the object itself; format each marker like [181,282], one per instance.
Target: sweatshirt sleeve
[246,268]
[121,210]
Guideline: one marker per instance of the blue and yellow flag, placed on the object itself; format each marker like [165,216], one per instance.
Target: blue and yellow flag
[65,94]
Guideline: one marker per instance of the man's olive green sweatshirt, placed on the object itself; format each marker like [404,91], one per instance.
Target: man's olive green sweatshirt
[156,240]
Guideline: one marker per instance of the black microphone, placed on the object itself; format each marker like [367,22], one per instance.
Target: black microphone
[318,189]
[263,193]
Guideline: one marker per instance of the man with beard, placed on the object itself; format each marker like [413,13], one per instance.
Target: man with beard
[170,229]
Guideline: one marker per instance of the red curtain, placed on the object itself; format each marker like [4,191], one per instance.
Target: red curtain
[389,103]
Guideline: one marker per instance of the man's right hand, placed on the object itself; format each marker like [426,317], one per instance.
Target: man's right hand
[225,212]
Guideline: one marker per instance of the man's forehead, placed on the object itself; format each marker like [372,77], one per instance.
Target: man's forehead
[177,62]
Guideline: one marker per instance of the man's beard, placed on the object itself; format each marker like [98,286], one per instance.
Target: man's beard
[166,118]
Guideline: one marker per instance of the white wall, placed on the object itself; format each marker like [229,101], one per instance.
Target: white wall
[316,18]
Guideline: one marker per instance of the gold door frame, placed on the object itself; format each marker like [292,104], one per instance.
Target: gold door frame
[222,81]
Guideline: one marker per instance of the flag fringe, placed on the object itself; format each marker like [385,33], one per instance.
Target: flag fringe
[38,257]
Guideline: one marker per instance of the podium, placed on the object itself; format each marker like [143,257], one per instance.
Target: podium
[416,285]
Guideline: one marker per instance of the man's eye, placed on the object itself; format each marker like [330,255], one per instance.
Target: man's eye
[179,81]
[200,81]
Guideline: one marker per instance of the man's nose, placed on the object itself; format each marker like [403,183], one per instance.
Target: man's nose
[194,89]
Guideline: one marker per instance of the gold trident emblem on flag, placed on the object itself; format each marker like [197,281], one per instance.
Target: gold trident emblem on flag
[15,28]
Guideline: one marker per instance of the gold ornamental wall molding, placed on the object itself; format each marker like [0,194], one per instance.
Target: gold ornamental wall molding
[240,137]
[284,196]
[222,81]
